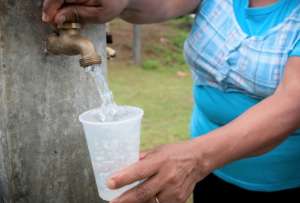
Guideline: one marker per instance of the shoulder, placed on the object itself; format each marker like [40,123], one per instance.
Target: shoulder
[215,6]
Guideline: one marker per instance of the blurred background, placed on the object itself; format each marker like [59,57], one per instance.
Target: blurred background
[161,84]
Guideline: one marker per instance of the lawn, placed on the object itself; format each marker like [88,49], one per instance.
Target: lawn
[162,85]
[165,98]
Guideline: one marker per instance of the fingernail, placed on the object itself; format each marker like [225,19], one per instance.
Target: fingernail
[45,17]
[143,156]
[111,184]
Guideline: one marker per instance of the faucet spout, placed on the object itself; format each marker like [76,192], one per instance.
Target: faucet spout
[69,41]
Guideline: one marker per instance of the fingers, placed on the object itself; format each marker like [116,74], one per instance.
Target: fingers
[50,8]
[53,7]
[83,14]
[77,14]
[85,2]
[82,11]
[141,170]
[144,193]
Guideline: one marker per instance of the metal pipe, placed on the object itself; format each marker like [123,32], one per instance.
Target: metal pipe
[69,41]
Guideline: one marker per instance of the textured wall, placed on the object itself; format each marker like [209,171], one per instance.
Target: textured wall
[43,155]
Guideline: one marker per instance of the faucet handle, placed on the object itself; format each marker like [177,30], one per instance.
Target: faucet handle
[67,26]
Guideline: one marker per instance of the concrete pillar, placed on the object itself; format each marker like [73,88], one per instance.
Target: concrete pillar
[43,154]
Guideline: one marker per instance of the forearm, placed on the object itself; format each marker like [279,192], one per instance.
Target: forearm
[257,131]
[152,11]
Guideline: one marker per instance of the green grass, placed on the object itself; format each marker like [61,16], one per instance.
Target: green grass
[165,98]
[151,65]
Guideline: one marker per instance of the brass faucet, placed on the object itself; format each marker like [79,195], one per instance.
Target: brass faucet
[69,41]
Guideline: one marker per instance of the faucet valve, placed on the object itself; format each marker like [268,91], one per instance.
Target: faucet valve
[69,41]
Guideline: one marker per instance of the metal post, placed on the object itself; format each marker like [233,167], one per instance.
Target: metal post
[137,44]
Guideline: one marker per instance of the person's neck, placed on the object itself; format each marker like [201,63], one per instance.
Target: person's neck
[260,3]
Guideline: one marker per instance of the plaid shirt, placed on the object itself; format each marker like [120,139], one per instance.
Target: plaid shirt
[221,55]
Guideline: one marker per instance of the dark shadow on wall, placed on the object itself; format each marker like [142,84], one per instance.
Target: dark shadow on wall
[1,193]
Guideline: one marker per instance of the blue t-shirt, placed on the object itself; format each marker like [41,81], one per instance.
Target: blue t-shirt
[215,108]
[257,21]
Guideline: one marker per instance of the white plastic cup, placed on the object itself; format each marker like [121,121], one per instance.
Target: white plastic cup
[112,147]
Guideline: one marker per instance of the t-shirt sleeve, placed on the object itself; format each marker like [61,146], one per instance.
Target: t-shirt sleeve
[296,50]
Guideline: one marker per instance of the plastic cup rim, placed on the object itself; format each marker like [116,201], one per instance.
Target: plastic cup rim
[139,115]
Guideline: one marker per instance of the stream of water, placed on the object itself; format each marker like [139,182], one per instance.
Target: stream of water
[109,110]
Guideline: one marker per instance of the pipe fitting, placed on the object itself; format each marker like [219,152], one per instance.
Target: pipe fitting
[69,41]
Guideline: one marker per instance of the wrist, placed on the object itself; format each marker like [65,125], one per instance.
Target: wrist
[129,3]
[211,152]
[203,163]
[132,11]
[125,4]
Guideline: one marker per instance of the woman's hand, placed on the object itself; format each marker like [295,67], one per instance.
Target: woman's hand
[171,173]
[101,11]
[92,11]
